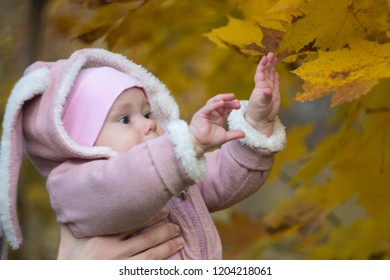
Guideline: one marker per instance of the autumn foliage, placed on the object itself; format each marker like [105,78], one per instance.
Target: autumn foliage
[336,188]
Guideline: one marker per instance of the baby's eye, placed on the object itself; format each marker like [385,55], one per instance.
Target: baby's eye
[124,120]
[148,115]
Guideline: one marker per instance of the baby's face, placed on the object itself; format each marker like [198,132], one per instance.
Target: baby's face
[129,122]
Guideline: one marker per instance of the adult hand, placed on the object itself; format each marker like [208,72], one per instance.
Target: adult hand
[156,243]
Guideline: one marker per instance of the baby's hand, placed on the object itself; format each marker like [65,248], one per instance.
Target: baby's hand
[264,102]
[207,124]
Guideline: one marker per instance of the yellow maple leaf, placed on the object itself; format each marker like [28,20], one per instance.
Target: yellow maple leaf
[254,8]
[329,26]
[259,32]
[349,73]
[237,33]
[269,13]
[286,5]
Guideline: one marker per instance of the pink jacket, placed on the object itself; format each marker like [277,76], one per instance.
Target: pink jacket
[117,193]
[96,191]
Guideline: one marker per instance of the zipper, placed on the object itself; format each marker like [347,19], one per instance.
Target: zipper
[190,210]
[183,194]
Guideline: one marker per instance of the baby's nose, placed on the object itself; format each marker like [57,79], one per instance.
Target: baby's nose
[149,125]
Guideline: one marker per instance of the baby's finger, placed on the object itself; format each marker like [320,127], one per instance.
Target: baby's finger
[234,135]
[274,61]
[270,57]
[212,105]
[221,106]
[267,68]
[272,65]
[259,74]
[276,82]
[263,61]
[221,97]
[235,104]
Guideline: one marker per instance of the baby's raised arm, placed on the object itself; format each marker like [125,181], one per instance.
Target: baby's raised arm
[246,164]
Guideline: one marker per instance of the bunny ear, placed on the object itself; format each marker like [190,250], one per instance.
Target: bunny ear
[3,246]
[11,152]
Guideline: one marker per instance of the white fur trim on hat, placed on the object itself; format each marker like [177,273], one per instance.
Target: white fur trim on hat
[274,143]
[180,136]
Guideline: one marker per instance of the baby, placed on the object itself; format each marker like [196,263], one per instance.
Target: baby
[107,135]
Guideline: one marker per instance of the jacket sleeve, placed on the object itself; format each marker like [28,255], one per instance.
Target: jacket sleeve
[234,173]
[114,195]
[241,167]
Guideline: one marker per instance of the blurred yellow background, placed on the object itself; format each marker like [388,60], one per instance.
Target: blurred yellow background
[327,197]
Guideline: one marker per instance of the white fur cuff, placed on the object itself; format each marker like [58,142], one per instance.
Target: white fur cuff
[180,136]
[276,142]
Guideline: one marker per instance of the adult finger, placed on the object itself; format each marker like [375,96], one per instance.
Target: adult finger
[161,251]
[150,238]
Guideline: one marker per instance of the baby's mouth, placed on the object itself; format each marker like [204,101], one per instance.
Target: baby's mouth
[152,135]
